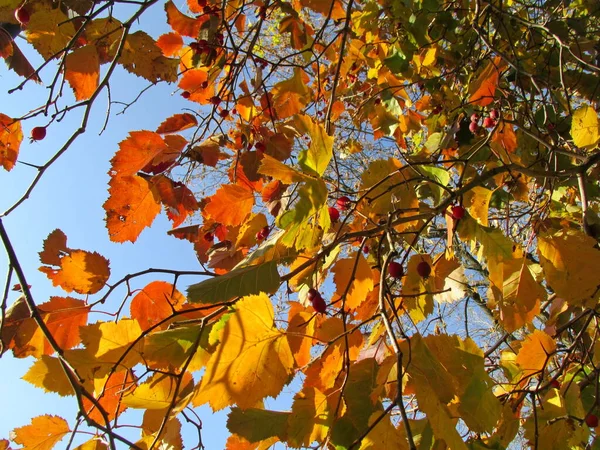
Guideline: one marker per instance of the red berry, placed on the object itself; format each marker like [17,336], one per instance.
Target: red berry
[366,249]
[209,237]
[458,212]
[186,94]
[215,100]
[488,122]
[207,9]
[555,384]
[319,304]
[234,111]
[474,117]
[494,114]
[396,270]
[262,12]
[224,113]
[204,84]
[436,110]
[334,214]
[22,15]
[377,101]
[591,420]
[343,202]
[38,133]
[312,294]
[473,127]
[202,3]
[424,269]
[263,233]
[260,146]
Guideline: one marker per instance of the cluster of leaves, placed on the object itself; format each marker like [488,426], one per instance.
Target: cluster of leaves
[345,136]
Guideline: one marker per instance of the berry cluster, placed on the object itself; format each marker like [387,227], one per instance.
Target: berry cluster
[488,122]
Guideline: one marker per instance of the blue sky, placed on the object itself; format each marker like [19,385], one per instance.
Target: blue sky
[70,197]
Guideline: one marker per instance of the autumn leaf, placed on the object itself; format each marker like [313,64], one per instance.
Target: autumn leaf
[43,433]
[230,205]
[316,158]
[182,24]
[142,57]
[154,303]
[170,43]
[11,136]
[535,353]
[177,122]
[253,361]
[178,200]
[82,71]
[561,254]
[585,129]
[158,392]
[49,31]
[310,419]
[353,279]
[483,89]
[47,373]
[257,425]
[78,270]
[133,204]
[292,95]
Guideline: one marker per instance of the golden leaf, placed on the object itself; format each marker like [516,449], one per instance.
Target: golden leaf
[43,433]
[82,71]
[11,137]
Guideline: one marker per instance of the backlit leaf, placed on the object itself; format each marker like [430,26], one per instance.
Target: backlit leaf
[78,270]
[49,31]
[354,280]
[141,56]
[318,155]
[383,436]
[310,419]
[133,204]
[237,283]
[109,341]
[82,71]
[483,89]
[230,205]
[253,361]
[43,433]
[585,129]
[11,136]
[47,373]
[170,43]
[292,95]
[177,122]
[561,255]
[535,352]
[155,302]
[157,392]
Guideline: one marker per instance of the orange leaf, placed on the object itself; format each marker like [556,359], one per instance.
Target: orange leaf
[230,205]
[82,71]
[11,137]
[136,152]
[483,89]
[505,137]
[177,198]
[192,81]
[535,352]
[154,303]
[182,24]
[63,317]
[132,205]
[354,280]
[177,122]
[43,433]
[108,392]
[78,270]
[170,43]
[300,328]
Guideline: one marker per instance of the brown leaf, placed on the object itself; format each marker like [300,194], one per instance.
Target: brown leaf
[176,197]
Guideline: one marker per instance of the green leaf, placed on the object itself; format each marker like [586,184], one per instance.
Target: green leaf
[256,425]
[319,153]
[237,283]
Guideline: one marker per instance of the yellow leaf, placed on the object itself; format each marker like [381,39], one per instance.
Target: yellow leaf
[43,433]
[11,136]
[82,71]
[48,374]
[291,96]
[310,419]
[477,201]
[108,341]
[319,153]
[280,171]
[584,127]
[253,359]
[516,291]
[561,255]
[142,56]
[157,392]
[93,444]
[230,205]
[354,280]
[535,352]
[49,30]
[384,435]
[417,291]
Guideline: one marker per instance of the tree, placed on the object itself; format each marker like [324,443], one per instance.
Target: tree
[394,206]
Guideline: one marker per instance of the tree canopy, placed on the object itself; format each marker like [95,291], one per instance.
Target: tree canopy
[394,206]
